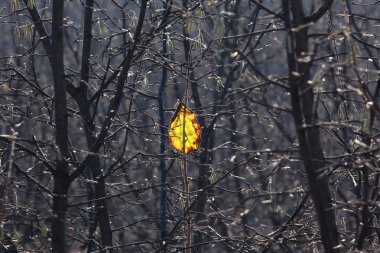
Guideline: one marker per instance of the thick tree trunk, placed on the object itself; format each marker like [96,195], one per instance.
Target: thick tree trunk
[58,229]
[61,176]
[305,117]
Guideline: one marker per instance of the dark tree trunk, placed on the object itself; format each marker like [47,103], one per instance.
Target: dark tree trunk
[58,229]
[163,172]
[305,117]
[101,206]
[94,168]
[61,177]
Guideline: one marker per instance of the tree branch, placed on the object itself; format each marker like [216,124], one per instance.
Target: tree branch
[319,13]
[116,100]
[36,18]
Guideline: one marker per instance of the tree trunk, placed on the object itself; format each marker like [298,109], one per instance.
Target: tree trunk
[304,113]
[163,172]
[94,168]
[61,176]
[58,229]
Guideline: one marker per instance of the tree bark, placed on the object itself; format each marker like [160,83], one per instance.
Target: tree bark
[58,229]
[61,183]
[305,117]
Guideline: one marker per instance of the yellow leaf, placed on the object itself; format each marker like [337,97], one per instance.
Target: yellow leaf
[185,130]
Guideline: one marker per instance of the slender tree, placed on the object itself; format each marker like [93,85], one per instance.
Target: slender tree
[305,117]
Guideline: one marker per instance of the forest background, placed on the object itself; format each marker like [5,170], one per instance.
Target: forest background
[286,93]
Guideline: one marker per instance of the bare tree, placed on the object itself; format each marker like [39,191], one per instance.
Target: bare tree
[286,93]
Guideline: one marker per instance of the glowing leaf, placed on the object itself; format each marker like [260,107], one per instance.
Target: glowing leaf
[185,131]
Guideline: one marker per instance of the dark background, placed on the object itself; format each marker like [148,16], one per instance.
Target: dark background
[286,93]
